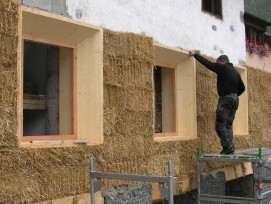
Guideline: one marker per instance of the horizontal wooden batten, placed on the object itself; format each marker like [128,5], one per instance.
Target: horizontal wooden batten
[54,27]
[48,137]
[165,134]
[45,40]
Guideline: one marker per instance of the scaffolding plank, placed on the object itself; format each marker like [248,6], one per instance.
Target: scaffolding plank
[228,199]
[256,152]
[261,156]
[229,157]
[245,155]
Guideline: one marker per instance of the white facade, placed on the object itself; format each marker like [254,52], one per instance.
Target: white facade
[175,23]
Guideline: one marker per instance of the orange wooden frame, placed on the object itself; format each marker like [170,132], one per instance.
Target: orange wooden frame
[175,109]
[74,92]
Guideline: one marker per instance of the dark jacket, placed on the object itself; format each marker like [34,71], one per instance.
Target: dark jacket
[228,78]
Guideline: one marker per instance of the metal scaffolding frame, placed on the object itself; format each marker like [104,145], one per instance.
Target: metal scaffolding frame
[259,157]
[166,191]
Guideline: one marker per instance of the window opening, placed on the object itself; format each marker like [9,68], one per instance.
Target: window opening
[164,84]
[212,6]
[254,35]
[47,90]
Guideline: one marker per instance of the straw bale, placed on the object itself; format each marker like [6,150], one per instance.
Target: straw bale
[34,174]
[182,152]
[206,104]
[31,159]
[128,89]
[242,141]
[158,164]
[128,102]
[124,97]
[110,116]
[118,148]
[259,92]
[138,122]
[8,52]
[57,182]
[206,109]
[127,71]
[8,124]
[8,72]
[128,45]
[8,87]
[209,142]
[9,17]
[21,187]
[128,98]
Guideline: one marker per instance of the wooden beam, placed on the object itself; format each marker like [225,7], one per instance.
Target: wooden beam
[231,173]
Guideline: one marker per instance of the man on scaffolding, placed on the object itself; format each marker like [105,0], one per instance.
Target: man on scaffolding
[229,87]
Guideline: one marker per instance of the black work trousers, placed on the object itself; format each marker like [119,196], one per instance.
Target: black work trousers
[225,114]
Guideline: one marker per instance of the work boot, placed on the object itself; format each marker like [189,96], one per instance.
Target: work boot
[229,150]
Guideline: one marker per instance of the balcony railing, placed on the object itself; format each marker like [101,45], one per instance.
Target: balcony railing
[257,48]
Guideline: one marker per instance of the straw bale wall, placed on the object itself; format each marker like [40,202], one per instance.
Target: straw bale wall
[259,107]
[206,106]
[30,175]
[128,110]
[8,72]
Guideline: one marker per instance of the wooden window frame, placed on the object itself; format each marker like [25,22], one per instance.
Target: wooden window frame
[251,34]
[240,123]
[174,119]
[214,3]
[185,88]
[87,43]
[72,136]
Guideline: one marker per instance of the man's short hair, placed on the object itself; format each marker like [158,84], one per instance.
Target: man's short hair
[223,58]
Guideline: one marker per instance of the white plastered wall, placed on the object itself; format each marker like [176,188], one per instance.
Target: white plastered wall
[176,23]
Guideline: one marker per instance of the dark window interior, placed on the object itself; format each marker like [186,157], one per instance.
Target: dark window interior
[164,99]
[212,6]
[42,91]
[41,79]
[254,35]
[158,99]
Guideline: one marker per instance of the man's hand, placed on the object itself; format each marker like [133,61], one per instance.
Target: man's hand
[193,52]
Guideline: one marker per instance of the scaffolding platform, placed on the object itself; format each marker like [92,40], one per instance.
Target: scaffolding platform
[260,157]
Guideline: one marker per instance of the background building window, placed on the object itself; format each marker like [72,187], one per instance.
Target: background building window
[256,39]
[254,35]
[212,6]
